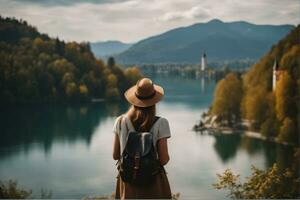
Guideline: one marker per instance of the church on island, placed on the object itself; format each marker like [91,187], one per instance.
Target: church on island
[201,69]
[203,62]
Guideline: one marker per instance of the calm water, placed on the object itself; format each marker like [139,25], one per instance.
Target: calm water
[68,149]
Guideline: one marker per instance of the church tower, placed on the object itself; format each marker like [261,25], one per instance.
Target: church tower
[275,69]
[203,62]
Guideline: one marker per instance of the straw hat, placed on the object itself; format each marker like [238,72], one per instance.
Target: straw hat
[144,93]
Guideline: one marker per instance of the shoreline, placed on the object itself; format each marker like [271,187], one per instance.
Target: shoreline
[225,130]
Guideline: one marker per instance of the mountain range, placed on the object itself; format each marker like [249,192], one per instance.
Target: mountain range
[221,41]
[108,48]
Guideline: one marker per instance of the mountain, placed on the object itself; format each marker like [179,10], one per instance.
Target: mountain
[107,48]
[219,40]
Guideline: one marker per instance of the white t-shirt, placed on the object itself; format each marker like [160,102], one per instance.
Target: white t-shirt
[160,129]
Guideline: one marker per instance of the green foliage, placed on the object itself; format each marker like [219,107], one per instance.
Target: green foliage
[111,62]
[270,184]
[228,95]
[10,190]
[36,68]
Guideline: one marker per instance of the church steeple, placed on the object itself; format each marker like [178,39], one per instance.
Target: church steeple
[275,69]
[276,74]
[275,65]
[203,62]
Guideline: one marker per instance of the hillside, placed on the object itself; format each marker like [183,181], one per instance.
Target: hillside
[35,68]
[108,48]
[272,109]
[221,41]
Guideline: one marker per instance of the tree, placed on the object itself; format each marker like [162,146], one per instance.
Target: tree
[111,62]
[270,184]
[288,131]
[227,98]
[290,61]
[112,91]
[255,106]
[83,90]
[132,75]
[37,68]
[10,190]
[285,97]
[71,90]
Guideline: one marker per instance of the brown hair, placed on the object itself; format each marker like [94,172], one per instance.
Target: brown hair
[142,118]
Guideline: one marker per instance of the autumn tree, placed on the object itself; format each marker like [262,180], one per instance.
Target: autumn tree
[37,68]
[285,97]
[272,183]
[132,75]
[227,98]
[112,90]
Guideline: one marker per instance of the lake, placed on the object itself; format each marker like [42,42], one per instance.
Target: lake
[68,149]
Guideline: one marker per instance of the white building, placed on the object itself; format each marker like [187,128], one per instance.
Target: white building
[203,62]
[277,73]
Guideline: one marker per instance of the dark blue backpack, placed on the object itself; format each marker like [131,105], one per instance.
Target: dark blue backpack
[139,163]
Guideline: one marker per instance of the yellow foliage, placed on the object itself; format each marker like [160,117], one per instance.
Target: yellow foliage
[71,89]
[133,74]
[68,77]
[291,58]
[228,95]
[288,131]
[284,97]
[112,93]
[83,90]
[112,81]
[255,105]
[270,184]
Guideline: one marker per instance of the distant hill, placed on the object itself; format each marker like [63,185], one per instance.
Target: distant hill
[107,48]
[35,68]
[221,41]
[267,96]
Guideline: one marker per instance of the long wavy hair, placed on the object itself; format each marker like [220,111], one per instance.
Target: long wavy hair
[142,118]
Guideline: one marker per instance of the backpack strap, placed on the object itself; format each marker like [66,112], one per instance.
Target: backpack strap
[155,120]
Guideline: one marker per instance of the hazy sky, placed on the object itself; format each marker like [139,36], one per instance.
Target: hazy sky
[132,20]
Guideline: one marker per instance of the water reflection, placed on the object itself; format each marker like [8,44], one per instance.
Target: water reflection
[192,92]
[23,126]
[227,146]
[67,149]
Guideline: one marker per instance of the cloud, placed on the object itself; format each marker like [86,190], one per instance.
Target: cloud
[196,12]
[65,2]
[132,20]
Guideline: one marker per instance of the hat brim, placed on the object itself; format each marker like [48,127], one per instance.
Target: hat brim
[132,99]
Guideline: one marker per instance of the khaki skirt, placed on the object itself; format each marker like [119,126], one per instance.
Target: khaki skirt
[159,189]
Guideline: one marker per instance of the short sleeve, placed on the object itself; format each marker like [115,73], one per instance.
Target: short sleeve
[117,125]
[164,129]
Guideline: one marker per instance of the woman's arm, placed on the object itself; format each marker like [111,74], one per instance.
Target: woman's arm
[162,150]
[116,148]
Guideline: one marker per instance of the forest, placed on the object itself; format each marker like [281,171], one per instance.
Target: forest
[36,68]
[250,97]
[273,112]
